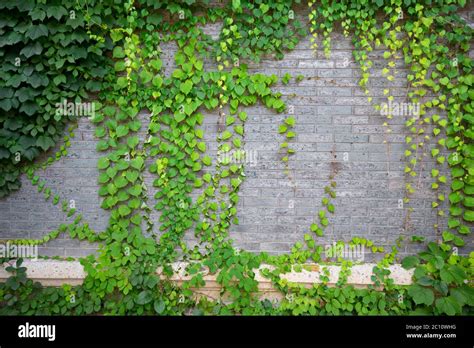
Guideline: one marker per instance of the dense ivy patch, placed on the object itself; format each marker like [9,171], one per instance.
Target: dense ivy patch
[122,279]
[48,56]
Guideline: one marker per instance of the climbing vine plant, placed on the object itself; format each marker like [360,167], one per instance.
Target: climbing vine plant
[48,56]
[150,124]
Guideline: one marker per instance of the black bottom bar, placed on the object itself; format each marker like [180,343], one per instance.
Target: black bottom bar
[240,331]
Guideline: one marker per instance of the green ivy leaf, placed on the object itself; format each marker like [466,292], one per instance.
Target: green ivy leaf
[290,121]
[159,306]
[410,262]
[144,297]
[122,82]
[421,295]
[118,52]
[156,64]
[121,131]
[468,215]
[124,210]
[36,31]
[131,175]
[137,162]
[32,49]
[44,142]
[206,160]
[186,86]
[453,274]
[145,76]
[103,163]
[226,135]
[207,177]
[448,305]
[59,79]
[56,12]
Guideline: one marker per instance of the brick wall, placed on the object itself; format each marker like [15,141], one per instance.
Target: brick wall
[338,132]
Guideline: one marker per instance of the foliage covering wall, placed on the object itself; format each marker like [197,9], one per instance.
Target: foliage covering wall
[109,52]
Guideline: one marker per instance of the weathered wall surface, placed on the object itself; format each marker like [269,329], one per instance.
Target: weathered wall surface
[338,132]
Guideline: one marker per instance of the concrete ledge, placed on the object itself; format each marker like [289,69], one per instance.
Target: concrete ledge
[57,273]
[309,275]
[50,272]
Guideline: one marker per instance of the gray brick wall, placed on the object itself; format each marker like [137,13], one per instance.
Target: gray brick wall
[334,120]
